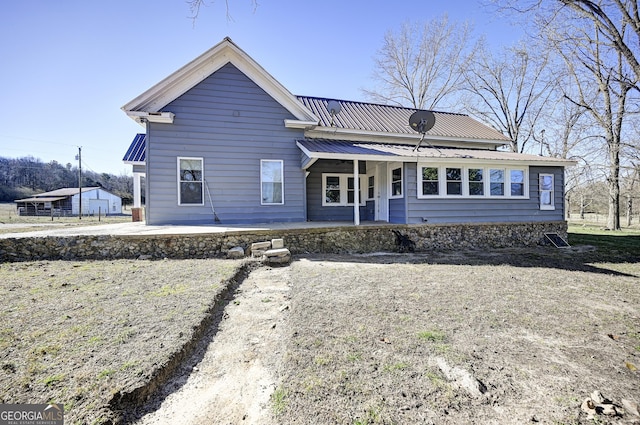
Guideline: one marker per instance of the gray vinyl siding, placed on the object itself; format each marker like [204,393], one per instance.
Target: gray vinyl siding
[489,210]
[232,124]
[315,210]
[397,211]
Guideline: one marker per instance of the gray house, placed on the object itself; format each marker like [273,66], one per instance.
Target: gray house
[224,139]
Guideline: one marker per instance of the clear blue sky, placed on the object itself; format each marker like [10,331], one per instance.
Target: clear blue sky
[69,65]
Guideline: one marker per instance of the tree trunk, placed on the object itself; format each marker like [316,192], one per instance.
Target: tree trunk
[629,209]
[613,218]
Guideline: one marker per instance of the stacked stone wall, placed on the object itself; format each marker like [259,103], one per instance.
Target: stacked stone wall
[344,239]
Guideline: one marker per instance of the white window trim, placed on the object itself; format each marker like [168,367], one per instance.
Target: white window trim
[552,194]
[394,166]
[343,189]
[442,181]
[189,158]
[281,180]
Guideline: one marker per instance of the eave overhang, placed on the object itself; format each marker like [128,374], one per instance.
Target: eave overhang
[159,117]
[347,150]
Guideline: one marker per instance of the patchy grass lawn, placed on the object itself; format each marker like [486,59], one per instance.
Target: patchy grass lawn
[375,339]
[86,333]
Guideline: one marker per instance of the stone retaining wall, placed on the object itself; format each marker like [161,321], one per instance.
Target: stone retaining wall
[348,239]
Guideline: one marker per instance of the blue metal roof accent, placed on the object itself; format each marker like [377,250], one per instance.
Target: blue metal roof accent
[344,147]
[137,149]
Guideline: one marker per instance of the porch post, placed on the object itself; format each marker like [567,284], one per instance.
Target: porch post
[137,199]
[356,194]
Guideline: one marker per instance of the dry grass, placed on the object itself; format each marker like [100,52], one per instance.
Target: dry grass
[80,333]
[532,325]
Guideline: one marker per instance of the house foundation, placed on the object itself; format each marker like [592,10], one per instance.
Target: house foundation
[333,240]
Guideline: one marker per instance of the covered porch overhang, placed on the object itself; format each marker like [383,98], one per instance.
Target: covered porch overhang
[315,149]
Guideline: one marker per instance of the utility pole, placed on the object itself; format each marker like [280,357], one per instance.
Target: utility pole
[79,158]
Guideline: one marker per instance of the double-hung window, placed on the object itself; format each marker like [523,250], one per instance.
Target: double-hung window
[476,181]
[454,181]
[496,182]
[371,189]
[272,182]
[339,189]
[190,181]
[396,182]
[430,181]
[546,192]
[516,177]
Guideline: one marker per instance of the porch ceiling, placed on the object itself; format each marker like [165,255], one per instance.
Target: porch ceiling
[364,151]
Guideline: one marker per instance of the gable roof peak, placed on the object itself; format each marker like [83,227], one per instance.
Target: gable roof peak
[148,105]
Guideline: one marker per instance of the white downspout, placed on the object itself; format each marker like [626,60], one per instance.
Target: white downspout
[356,194]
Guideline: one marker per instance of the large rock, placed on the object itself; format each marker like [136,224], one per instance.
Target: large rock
[236,252]
[277,256]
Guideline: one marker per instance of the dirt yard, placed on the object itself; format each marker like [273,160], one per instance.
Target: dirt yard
[501,337]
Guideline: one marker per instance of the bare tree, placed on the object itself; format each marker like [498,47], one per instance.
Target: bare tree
[592,63]
[420,65]
[618,21]
[195,5]
[598,39]
[509,91]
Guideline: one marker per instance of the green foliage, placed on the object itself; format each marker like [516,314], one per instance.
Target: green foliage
[279,400]
[431,336]
[52,380]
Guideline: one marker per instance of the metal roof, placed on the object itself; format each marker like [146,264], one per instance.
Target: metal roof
[341,149]
[66,191]
[56,195]
[137,150]
[395,119]
[43,199]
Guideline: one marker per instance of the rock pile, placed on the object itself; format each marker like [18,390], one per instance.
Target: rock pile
[271,252]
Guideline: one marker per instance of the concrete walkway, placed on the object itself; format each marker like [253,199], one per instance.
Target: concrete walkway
[139,228]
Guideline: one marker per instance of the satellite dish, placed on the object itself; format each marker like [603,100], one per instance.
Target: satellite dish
[333,106]
[422,121]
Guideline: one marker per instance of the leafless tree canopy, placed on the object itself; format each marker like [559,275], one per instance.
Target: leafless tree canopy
[509,91]
[598,42]
[420,65]
[196,5]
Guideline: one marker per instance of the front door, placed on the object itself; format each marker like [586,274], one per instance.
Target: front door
[382,196]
